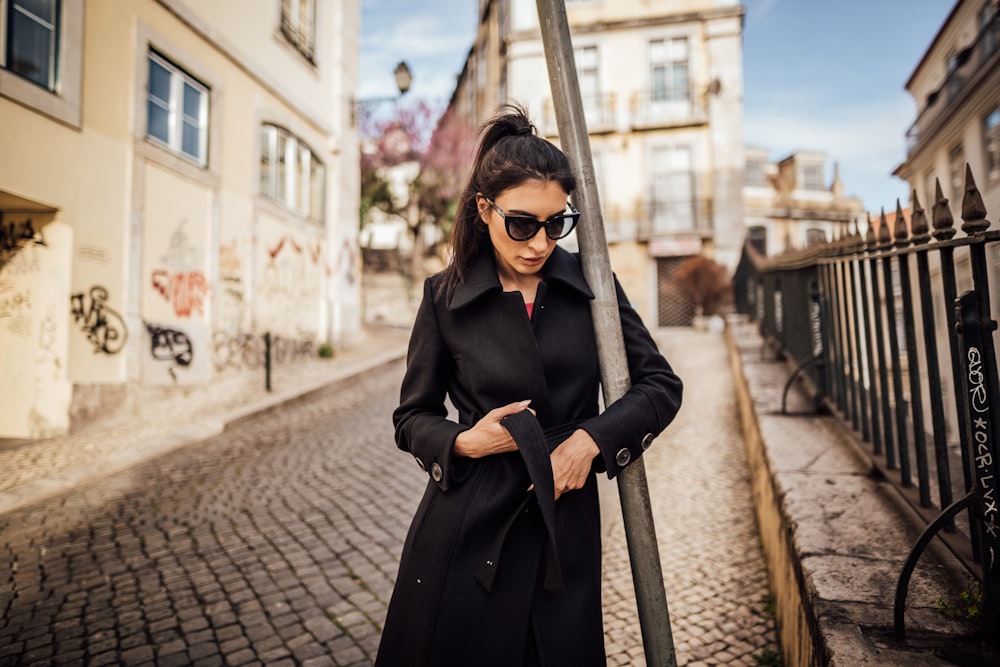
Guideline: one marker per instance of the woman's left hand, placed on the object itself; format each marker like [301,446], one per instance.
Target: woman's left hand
[572,461]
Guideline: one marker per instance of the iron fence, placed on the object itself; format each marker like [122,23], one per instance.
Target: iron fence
[880,332]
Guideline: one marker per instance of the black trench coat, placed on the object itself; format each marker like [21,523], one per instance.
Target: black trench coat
[478,575]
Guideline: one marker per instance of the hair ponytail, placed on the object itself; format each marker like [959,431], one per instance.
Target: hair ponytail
[509,153]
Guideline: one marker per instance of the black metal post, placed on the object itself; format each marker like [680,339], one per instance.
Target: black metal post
[267,360]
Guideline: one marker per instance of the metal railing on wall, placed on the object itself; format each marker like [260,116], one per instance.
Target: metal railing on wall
[893,333]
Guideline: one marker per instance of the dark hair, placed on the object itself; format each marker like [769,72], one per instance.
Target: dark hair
[509,154]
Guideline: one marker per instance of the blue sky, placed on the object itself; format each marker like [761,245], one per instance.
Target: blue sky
[818,75]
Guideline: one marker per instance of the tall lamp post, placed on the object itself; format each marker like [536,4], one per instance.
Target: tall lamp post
[363,110]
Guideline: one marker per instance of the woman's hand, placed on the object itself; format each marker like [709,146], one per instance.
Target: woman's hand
[488,436]
[572,461]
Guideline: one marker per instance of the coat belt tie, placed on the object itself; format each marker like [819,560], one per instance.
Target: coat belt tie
[535,445]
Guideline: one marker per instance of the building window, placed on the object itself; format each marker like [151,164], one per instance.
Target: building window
[956,173]
[298,25]
[290,173]
[991,143]
[177,110]
[755,175]
[587,73]
[989,29]
[32,40]
[672,192]
[815,236]
[930,191]
[812,177]
[669,70]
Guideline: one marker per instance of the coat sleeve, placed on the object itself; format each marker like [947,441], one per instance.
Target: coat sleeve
[422,426]
[629,425]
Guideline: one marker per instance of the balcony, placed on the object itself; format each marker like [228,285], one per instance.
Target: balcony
[967,69]
[598,110]
[656,109]
[666,217]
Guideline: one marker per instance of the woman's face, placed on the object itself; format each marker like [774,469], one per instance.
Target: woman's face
[537,199]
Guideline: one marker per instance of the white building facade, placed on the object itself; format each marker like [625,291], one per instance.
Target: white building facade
[179,178]
[662,89]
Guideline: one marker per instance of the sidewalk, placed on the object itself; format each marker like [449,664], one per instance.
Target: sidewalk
[33,470]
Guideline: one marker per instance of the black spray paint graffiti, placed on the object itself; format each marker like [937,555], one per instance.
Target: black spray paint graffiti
[239,351]
[171,346]
[246,351]
[16,235]
[104,327]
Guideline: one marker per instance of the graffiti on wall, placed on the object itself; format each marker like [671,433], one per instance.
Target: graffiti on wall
[16,234]
[186,291]
[180,279]
[347,262]
[104,327]
[231,306]
[15,308]
[246,351]
[241,351]
[170,346]
[290,287]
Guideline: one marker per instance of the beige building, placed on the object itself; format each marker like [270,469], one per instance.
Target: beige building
[788,204]
[662,89]
[956,89]
[178,178]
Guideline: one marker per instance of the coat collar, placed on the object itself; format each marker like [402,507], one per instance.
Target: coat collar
[562,267]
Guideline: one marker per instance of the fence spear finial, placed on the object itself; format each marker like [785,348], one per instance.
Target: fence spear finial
[944,224]
[870,233]
[884,235]
[918,223]
[973,209]
[902,233]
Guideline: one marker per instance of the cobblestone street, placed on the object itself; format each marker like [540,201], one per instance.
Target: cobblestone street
[277,542]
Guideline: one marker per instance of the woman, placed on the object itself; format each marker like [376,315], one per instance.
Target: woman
[502,563]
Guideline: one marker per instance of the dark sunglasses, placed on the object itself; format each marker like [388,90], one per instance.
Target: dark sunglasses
[524,228]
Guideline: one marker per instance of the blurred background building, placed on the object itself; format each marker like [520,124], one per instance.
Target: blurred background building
[178,178]
[661,85]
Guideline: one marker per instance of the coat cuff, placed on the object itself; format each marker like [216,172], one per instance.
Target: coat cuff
[436,456]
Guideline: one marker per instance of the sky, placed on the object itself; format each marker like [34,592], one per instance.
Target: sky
[818,75]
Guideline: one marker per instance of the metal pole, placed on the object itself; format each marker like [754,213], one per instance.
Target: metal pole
[647,576]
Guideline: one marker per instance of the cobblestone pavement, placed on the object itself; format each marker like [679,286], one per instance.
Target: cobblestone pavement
[277,541]
[699,486]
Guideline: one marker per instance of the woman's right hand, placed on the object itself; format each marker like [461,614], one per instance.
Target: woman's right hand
[488,436]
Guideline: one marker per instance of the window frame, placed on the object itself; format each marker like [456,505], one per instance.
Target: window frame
[956,172]
[293,177]
[673,208]
[177,117]
[54,28]
[991,144]
[669,64]
[812,177]
[298,25]
[62,104]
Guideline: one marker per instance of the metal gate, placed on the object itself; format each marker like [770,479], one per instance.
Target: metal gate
[673,308]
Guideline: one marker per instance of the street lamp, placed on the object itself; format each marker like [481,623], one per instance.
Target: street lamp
[404,79]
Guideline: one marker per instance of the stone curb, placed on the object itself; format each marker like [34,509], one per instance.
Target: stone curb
[835,537]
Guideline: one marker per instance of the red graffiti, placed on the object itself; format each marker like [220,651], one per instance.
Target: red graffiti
[314,252]
[185,290]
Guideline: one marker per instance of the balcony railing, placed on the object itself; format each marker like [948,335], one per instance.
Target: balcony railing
[665,217]
[598,110]
[654,109]
[967,69]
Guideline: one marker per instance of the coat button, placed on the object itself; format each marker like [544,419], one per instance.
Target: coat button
[436,472]
[420,463]
[623,457]
[647,441]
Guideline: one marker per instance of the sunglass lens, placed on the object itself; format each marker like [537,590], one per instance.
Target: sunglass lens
[521,227]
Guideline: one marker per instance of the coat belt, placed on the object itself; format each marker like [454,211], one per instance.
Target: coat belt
[535,445]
